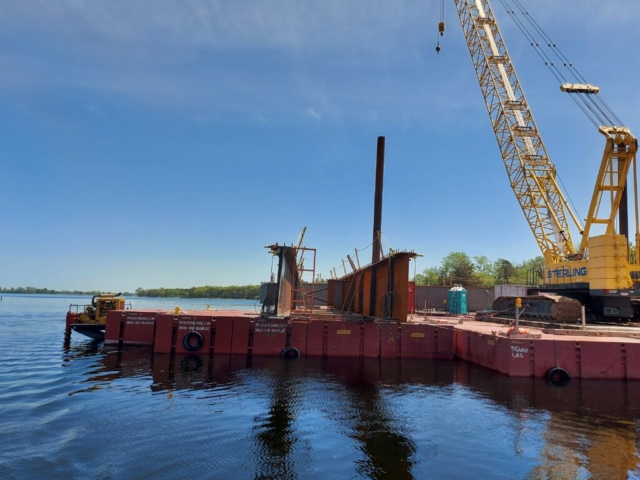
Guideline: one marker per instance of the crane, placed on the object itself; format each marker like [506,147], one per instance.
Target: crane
[594,271]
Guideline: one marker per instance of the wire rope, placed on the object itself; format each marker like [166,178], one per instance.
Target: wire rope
[593,105]
[595,108]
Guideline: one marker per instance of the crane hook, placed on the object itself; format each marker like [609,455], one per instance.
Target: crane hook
[441,32]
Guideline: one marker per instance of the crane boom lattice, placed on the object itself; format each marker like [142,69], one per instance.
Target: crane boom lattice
[531,173]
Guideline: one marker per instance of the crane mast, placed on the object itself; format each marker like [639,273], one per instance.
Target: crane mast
[531,173]
[603,280]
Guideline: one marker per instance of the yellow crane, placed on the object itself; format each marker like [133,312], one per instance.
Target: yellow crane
[595,270]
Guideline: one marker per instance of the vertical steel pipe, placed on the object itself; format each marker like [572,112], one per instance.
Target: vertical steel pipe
[377,201]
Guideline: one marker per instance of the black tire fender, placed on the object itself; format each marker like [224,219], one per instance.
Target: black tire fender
[290,352]
[187,341]
[191,363]
[558,376]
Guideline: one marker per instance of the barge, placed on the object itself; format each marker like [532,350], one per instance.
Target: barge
[367,317]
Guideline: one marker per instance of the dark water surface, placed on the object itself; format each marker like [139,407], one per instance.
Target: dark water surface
[94,413]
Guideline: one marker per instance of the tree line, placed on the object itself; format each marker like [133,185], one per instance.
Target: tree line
[480,271]
[248,292]
[48,291]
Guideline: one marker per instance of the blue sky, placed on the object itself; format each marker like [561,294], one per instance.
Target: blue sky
[159,143]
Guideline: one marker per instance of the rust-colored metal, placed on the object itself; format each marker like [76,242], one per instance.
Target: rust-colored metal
[296,282]
[286,279]
[377,202]
[353,265]
[378,290]
[334,293]
[304,291]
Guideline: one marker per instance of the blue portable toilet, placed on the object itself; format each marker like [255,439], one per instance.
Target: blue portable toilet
[457,300]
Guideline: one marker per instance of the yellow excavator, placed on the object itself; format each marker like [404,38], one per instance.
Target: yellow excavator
[90,320]
[595,271]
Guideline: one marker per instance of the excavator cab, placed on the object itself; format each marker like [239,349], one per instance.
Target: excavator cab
[105,302]
[96,312]
[90,320]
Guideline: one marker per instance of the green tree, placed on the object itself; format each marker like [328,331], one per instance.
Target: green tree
[457,267]
[505,271]
[484,271]
[432,277]
[420,279]
[429,276]
[250,292]
[529,271]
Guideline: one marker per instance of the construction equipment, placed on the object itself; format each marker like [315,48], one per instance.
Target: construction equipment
[90,320]
[597,272]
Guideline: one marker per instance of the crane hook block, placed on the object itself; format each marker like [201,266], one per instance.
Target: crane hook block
[441,28]
[438,49]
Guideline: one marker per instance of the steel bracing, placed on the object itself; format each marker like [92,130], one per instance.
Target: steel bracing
[531,173]
[619,154]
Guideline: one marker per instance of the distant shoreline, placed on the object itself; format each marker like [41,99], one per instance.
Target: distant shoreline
[236,292]
[243,292]
[46,291]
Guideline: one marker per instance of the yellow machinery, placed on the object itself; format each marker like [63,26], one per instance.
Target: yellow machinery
[596,270]
[90,320]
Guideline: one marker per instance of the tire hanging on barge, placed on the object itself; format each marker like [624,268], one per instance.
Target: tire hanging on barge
[558,376]
[192,363]
[290,352]
[189,344]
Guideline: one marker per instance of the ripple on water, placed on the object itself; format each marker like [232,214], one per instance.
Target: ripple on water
[93,413]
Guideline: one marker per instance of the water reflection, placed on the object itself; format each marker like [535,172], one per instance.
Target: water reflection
[586,428]
[388,450]
[274,431]
[81,350]
[591,428]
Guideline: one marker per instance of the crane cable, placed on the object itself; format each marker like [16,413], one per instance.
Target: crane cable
[548,62]
[595,99]
[586,109]
[592,105]
[440,23]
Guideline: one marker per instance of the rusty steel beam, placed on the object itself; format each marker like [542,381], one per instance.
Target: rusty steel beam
[286,280]
[353,265]
[334,293]
[379,290]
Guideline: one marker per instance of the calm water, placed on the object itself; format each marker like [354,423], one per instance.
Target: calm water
[95,413]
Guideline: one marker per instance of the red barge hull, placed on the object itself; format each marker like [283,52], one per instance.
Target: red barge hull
[243,333]
[481,343]
[366,317]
